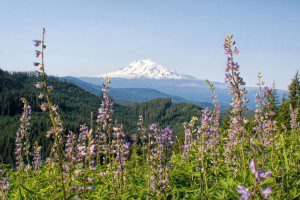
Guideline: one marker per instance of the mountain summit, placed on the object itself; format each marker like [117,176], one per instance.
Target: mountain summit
[146,69]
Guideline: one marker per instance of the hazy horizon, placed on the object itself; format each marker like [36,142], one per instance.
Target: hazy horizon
[88,38]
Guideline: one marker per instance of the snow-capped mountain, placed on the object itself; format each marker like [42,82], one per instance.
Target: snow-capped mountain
[146,69]
[147,74]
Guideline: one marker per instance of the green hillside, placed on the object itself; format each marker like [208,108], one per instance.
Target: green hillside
[75,106]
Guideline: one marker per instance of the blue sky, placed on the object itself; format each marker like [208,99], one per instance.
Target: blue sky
[87,38]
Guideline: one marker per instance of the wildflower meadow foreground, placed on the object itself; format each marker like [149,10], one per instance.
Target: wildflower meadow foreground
[255,157]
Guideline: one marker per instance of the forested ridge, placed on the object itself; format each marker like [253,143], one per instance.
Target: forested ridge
[76,106]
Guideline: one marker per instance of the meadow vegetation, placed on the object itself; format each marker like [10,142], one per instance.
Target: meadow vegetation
[244,156]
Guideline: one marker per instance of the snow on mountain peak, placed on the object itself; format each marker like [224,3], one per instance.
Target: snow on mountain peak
[145,69]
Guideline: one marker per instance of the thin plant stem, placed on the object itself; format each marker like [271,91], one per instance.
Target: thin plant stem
[51,112]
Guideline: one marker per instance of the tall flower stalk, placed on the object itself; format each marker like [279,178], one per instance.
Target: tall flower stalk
[22,137]
[85,153]
[105,124]
[4,184]
[190,131]
[37,159]
[56,129]
[90,153]
[150,143]
[265,126]
[216,119]
[121,149]
[237,90]
[187,140]
[203,139]
[70,155]
[293,118]
[142,130]
[160,155]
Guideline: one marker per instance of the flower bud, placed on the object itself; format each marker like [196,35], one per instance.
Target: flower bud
[37,43]
[229,36]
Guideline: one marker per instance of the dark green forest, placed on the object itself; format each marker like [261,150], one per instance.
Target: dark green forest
[76,106]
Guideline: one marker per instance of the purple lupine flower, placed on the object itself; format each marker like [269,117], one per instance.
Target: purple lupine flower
[293,119]
[160,156]
[187,139]
[121,149]
[265,126]
[266,193]
[75,187]
[105,122]
[80,150]
[22,136]
[85,153]
[37,43]
[245,193]
[214,140]
[36,64]
[37,160]
[205,132]
[92,152]
[37,53]
[4,184]
[143,135]
[70,152]
[91,188]
[134,137]
[261,175]
[237,89]
[91,180]
[252,167]
[153,127]
[81,143]
[18,149]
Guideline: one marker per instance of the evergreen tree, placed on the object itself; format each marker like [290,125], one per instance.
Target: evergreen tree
[294,91]
[284,112]
[274,100]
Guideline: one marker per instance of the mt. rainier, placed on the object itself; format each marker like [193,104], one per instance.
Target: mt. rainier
[146,69]
[147,74]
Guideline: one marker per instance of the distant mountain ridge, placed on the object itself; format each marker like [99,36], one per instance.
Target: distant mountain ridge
[131,95]
[149,74]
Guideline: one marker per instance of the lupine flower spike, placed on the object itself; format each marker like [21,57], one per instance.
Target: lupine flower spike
[237,122]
